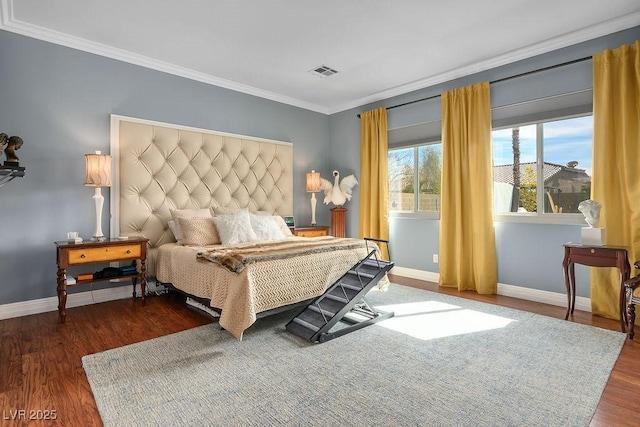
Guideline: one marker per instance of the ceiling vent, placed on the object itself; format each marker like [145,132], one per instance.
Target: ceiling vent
[323,71]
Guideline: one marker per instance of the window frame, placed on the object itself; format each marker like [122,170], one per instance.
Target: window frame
[417,214]
[540,217]
[506,217]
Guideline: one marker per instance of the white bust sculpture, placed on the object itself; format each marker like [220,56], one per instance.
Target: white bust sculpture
[591,211]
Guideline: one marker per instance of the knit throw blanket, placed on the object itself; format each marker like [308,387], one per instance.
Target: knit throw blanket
[236,258]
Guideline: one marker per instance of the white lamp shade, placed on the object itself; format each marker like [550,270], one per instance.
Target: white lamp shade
[313,182]
[98,168]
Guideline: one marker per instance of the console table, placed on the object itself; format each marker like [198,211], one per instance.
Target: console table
[595,256]
[93,252]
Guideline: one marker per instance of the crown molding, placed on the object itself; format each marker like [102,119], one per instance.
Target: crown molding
[560,42]
[9,23]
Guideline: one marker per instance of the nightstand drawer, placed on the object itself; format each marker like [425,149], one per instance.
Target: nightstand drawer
[314,231]
[111,253]
[594,252]
[311,233]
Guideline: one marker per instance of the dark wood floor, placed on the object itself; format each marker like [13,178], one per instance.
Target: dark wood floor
[41,369]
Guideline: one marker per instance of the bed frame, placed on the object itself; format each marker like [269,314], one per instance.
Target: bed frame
[207,303]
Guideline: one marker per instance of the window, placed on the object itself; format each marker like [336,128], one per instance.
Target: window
[543,167]
[411,191]
[539,168]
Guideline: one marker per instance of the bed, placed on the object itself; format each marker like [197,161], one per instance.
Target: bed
[264,285]
[166,175]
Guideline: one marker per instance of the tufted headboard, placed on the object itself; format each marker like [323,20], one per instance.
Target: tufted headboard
[158,167]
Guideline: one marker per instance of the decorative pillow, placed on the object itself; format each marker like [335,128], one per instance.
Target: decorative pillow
[173,227]
[198,231]
[227,210]
[234,229]
[189,213]
[282,225]
[266,227]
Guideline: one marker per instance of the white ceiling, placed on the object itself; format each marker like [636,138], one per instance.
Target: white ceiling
[380,48]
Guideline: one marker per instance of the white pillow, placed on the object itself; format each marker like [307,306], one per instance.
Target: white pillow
[283,226]
[189,213]
[234,229]
[266,227]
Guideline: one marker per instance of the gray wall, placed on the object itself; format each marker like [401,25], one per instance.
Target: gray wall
[529,255]
[59,101]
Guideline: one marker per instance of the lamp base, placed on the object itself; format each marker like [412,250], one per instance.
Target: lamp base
[99,201]
[313,209]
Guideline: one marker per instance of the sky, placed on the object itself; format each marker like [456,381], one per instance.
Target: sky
[564,141]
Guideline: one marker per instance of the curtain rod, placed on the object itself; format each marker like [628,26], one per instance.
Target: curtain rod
[515,76]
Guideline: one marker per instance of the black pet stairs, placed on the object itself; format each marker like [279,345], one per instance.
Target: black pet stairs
[343,308]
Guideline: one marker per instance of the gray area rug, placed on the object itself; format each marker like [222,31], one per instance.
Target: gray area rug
[442,361]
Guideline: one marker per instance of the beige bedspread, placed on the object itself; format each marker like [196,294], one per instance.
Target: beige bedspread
[262,284]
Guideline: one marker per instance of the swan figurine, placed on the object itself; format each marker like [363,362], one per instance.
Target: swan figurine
[339,192]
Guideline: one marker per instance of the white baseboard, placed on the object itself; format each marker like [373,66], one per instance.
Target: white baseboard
[412,273]
[43,305]
[546,297]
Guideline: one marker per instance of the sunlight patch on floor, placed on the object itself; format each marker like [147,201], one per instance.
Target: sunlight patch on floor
[427,320]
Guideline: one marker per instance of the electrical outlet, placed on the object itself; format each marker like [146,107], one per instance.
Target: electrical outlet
[435,258]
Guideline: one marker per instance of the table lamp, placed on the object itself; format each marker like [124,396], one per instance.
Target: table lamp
[313,186]
[98,169]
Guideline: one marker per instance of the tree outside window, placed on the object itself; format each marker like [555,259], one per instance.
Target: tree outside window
[403,179]
[430,177]
[543,167]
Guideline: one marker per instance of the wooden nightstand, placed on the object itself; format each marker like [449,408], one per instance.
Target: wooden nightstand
[313,231]
[595,256]
[93,252]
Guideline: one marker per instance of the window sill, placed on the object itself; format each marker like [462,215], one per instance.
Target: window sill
[523,218]
[547,218]
[414,215]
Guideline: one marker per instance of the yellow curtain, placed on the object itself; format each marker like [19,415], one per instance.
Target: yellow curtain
[467,237]
[374,176]
[616,164]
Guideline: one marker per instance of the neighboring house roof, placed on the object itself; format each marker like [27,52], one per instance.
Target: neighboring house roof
[504,173]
